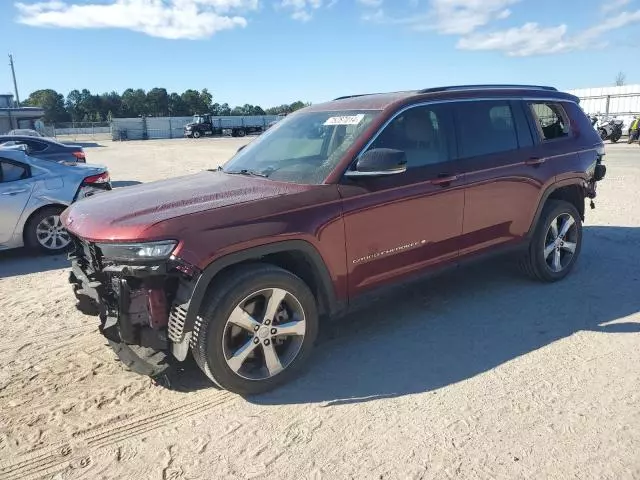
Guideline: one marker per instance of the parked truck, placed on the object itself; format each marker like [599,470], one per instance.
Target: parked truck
[235,126]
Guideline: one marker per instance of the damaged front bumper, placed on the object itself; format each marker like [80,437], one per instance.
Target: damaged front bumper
[140,305]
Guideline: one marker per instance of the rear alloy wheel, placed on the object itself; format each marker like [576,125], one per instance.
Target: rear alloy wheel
[556,242]
[257,331]
[45,232]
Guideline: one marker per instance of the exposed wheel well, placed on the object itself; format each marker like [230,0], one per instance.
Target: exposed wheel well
[573,194]
[35,212]
[294,261]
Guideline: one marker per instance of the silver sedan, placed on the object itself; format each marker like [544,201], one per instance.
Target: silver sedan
[33,194]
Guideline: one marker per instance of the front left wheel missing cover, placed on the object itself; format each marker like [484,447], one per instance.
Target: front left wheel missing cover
[257,329]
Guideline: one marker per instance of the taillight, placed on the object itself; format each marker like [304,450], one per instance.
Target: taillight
[80,156]
[100,178]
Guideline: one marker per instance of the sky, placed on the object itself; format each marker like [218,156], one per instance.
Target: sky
[269,52]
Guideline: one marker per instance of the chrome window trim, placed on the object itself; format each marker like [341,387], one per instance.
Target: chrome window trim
[438,102]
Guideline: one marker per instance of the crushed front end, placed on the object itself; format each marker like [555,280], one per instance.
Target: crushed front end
[140,292]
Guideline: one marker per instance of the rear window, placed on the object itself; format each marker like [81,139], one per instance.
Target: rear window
[486,127]
[552,120]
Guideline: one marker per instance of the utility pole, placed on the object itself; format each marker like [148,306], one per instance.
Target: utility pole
[15,84]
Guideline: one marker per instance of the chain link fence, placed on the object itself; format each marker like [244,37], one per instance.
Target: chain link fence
[78,131]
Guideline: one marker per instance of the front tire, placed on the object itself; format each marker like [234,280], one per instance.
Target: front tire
[257,330]
[44,232]
[196,134]
[556,242]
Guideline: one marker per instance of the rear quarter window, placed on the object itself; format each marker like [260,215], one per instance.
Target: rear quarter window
[551,120]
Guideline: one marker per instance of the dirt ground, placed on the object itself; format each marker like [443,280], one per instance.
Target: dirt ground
[478,374]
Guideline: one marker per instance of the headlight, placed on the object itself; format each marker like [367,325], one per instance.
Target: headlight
[138,251]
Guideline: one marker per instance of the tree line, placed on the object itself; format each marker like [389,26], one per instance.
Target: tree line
[83,106]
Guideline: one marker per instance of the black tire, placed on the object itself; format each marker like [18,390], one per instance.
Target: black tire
[533,262]
[603,134]
[31,237]
[615,138]
[225,295]
[196,134]
[141,360]
[241,133]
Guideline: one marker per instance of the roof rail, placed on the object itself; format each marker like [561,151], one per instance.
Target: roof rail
[353,96]
[480,87]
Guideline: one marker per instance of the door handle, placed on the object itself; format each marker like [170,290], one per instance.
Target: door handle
[535,161]
[444,180]
[14,192]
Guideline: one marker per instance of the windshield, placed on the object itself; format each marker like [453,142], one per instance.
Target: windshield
[302,148]
[198,119]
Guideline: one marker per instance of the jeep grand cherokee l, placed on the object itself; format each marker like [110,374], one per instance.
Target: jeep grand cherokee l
[238,265]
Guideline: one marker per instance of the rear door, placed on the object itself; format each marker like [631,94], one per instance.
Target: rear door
[503,173]
[15,190]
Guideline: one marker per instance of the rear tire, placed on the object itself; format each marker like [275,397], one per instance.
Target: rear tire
[258,357]
[545,252]
[43,232]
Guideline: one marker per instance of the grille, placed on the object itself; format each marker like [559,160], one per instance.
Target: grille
[177,317]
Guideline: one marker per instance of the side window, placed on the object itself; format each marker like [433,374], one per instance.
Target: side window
[485,127]
[553,120]
[36,146]
[421,132]
[10,172]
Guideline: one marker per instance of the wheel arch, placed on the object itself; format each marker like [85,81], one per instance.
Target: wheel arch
[297,256]
[571,190]
[31,215]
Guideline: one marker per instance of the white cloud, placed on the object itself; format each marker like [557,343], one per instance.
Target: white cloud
[531,39]
[612,5]
[451,17]
[173,19]
[303,9]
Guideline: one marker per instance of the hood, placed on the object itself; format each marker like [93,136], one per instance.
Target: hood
[192,124]
[125,213]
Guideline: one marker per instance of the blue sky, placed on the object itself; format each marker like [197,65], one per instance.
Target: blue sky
[269,52]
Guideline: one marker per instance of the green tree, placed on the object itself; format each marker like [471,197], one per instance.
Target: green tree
[158,102]
[177,107]
[134,102]
[206,100]
[51,102]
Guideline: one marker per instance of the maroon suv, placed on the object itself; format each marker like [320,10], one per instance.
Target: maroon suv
[238,265]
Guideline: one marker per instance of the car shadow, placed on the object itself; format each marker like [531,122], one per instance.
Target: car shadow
[22,261]
[124,183]
[434,333]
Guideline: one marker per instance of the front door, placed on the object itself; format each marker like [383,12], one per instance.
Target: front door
[15,191]
[401,224]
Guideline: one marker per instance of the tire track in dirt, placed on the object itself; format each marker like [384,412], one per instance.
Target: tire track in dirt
[57,458]
[45,339]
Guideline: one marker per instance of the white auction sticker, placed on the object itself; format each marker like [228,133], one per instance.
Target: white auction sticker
[345,120]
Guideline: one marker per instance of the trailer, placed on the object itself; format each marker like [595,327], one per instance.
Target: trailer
[206,124]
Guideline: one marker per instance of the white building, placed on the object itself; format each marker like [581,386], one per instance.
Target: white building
[12,117]
[617,102]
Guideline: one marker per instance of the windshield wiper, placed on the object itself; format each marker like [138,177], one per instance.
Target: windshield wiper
[249,173]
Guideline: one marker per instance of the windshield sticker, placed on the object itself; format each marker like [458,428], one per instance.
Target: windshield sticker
[345,120]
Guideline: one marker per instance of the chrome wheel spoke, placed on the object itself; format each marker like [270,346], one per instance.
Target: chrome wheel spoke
[557,265]
[239,357]
[549,249]
[243,320]
[274,302]
[271,359]
[569,246]
[291,328]
[568,223]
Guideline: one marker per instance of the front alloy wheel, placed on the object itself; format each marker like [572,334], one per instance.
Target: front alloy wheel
[257,329]
[264,334]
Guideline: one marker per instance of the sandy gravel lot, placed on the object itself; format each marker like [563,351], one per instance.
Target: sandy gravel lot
[479,374]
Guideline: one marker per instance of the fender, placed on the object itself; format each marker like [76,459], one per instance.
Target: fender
[199,289]
[577,181]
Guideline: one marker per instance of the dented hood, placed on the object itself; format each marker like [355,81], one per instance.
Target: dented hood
[126,213]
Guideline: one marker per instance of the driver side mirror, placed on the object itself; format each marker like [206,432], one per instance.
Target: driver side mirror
[379,162]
